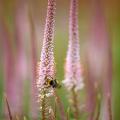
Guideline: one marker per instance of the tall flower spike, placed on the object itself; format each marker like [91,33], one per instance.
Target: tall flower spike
[99,58]
[46,67]
[73,76]
[47,64]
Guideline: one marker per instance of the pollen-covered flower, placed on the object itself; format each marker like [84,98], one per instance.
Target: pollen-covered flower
[46,67]
[73,78]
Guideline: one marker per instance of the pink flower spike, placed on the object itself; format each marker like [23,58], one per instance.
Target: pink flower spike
[46,66]
[33,105]
[99,59]
[47,63]
[73,76]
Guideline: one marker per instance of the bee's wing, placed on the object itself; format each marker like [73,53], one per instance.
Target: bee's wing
[58,84]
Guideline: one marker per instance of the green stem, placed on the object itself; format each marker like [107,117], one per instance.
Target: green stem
[109,108]
[75,104]
[98,108]
[43,105]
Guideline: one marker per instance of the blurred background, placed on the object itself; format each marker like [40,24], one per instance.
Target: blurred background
[21,34]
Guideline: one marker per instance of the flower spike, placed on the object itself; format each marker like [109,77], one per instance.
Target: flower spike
[73,78]
[47,63]
[72,67]
[46,66]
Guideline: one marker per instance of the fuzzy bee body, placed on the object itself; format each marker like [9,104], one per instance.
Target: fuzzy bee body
[52,83]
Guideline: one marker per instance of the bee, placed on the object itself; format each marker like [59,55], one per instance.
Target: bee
[50,82]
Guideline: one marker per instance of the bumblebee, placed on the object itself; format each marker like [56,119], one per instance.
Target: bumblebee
[50,82]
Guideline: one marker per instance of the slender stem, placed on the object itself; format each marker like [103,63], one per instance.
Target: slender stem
[61,107]
[68,113]
[75,104]
[55,109]
[98,108]
[43,106]
[8,107]
[109,108]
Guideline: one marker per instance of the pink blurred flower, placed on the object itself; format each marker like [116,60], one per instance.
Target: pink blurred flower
[73,72]
[99,61]
[15,62]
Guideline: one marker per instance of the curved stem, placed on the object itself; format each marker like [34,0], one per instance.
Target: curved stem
[75,104]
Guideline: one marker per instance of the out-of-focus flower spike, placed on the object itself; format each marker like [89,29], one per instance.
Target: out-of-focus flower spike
[21,33]
[8,59]
[33,105]
[20,64]
[106,56]
[73,72]
[100,57]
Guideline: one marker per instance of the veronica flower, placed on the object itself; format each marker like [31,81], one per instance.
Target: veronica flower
[73,78]
[100,62]
[46,67]
[8,61]
[47,63]
[21,30]
[73,71]
[15,66]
